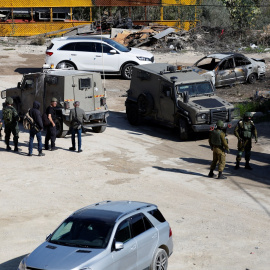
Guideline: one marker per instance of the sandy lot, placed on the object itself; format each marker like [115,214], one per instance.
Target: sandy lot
[216,224]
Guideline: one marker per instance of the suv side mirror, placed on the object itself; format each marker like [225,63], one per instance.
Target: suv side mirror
[48,236]
[113,52]
[19,85]
[118,246]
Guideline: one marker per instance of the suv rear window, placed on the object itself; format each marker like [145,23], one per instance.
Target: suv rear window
[50,46]
[157,215]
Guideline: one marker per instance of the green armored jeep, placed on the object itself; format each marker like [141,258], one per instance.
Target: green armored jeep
[67,86]
[175,98]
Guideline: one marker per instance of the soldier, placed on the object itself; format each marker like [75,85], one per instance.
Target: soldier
[76,117]
[11,119]
[51,129]
[218,144]
[1,125]
[244,131]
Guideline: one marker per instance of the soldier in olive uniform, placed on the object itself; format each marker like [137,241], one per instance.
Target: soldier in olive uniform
[244,131]
[218,144]
[11,119]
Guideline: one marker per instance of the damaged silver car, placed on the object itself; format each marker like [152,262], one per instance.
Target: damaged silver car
[230,68]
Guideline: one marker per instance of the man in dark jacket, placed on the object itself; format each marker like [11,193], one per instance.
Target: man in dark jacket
[11,119]
[35,129]
[76,117]
[51,129]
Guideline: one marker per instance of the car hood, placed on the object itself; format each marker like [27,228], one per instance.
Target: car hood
[55,257]
[139,52]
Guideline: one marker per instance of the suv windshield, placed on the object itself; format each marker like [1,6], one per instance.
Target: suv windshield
[195,89]
[117,45]
[85,233]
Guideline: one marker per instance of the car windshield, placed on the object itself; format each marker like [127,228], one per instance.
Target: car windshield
[117,45]
[195,89]
[84,233]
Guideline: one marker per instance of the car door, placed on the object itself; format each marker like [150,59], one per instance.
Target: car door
[146,236]
[242,66]
[105,60]
[167,107]
[84,55]
[126,258]
[226,73]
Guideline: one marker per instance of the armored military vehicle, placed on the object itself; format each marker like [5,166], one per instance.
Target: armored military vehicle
[176,98]
[67,86]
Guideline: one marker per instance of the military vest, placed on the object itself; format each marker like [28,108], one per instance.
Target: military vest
[247,128]
[215,138]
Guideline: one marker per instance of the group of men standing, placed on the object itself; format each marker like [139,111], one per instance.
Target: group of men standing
[11,120]
[244,131]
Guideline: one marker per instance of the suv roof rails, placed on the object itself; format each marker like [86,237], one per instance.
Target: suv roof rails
[131,211]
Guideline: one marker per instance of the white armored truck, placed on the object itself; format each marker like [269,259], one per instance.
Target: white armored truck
[175,98]
[67,86]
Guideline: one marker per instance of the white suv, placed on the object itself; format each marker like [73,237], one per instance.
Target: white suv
[95,54]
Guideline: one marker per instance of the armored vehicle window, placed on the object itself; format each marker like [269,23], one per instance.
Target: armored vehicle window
[28,83]
[85,47]
[68,47]
[195,89]
[123,233]
[84,83]
[100,47]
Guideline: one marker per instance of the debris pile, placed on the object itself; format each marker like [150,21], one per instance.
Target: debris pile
[158,37]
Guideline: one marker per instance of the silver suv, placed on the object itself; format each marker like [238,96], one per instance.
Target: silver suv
[120,235]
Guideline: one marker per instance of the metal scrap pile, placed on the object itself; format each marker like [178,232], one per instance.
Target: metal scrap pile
[158,37]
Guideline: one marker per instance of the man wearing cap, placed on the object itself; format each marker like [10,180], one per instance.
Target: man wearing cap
[11,119]
[51,129]
[76,117]
[218,144]
[244,131]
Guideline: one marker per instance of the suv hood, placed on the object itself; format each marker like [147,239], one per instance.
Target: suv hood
[52,256]
[139,52]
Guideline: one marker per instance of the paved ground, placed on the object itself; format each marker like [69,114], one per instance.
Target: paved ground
[216,224]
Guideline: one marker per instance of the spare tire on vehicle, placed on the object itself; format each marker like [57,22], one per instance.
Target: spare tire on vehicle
[145,104]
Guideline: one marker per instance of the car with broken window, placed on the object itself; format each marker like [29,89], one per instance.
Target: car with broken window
[99,54]
[176,97]
[230,68]
[115,235]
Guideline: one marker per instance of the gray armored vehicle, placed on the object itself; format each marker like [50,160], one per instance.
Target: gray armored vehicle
[176,98]
[67,86]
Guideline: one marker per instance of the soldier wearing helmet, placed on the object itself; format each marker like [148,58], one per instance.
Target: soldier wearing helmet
[11,119]
[244,131]
[218,144]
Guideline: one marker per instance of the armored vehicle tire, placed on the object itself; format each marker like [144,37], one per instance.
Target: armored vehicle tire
[99,129]
[160,260]
[145,104]
[133,115]
[183,129]
[127,71]
[65,65]
[60,133]
[252,78]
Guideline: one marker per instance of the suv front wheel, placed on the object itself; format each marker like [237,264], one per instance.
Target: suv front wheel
[160,260]
[127,71]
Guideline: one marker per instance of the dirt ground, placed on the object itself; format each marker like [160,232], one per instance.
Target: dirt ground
[216,224]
